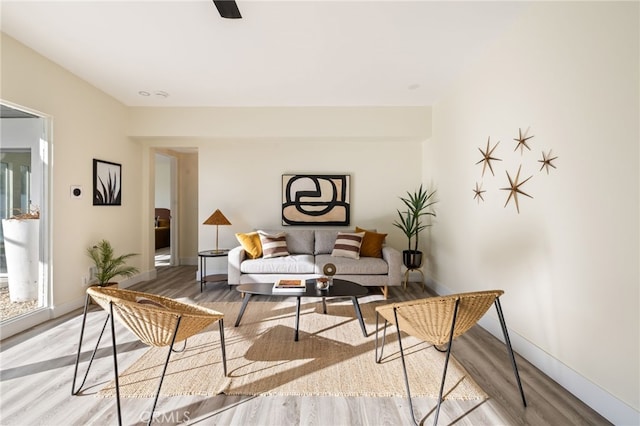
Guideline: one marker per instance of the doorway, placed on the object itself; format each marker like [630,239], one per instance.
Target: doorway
[166,211]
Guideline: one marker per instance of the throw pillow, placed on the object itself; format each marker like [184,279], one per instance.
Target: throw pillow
[251,244]
[273,245]
[348,245]
[371,243]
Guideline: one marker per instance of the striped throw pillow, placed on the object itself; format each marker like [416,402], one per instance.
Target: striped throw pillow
[348,245]
[273,245]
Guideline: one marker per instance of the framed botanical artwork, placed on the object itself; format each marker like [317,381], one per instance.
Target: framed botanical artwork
[315,199]
[107,183]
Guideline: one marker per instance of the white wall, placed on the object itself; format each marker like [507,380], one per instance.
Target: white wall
[87,124]
[568,262]
[240,173]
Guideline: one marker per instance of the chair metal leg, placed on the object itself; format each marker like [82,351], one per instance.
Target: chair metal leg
[446,361]
[115,362]
[384,334]
[75,391]
[507,341]
[224,354]
[404,369]
[164,370]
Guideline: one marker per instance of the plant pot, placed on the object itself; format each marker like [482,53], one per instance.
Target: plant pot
[22,251]
[412,259]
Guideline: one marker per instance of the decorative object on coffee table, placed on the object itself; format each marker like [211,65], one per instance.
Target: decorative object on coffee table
[217,219]
[329,270]
[322,283]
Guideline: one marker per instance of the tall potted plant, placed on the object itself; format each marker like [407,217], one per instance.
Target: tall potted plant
[109,266]
[418,205]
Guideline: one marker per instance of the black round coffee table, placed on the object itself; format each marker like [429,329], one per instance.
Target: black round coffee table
[340,288]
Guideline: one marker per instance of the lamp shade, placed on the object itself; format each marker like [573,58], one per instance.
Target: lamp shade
[217,218]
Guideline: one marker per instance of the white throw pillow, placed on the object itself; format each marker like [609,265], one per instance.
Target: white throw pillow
[273,245]
[348,245]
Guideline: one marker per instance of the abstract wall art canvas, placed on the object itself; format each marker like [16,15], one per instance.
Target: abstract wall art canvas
[315,199]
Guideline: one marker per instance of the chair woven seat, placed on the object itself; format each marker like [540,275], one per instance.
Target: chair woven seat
[154,325]
[430,319]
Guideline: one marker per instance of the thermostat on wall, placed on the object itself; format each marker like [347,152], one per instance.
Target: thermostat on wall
[76,191]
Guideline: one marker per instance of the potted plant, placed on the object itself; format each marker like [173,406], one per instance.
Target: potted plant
[418,205]
[108,265]
[21,234]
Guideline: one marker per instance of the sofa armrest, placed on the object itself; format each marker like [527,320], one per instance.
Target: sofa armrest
[235,257]
[393,257]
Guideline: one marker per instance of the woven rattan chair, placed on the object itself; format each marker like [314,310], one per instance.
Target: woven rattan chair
[155,320]
[439,320]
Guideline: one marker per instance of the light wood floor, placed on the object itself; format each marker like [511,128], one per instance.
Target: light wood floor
[36,370]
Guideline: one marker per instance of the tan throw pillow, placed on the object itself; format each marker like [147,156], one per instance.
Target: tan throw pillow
[273,245]
[371,243]
[348,245]
[251,244]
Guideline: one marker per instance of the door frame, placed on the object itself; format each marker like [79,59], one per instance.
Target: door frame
[42,176]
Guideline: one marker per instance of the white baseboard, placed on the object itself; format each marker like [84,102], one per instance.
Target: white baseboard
[607,405]
[14,326]
[191,261]
[19,324]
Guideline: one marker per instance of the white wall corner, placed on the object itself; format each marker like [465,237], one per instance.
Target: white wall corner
[607,405]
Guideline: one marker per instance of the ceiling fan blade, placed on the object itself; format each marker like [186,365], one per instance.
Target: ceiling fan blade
[228,9]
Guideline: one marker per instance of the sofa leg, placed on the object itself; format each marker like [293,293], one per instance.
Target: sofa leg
[385,292]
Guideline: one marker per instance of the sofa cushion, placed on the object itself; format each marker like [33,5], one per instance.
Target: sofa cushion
[371,243]
[299,241]
[293,264]
[347,266]
[273,245]
[325,239]
[250,242]
[348,245]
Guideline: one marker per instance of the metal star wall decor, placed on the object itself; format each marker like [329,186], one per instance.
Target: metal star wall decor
[514,189]
[547,161]
[487,157]
[522,142]
[478,193]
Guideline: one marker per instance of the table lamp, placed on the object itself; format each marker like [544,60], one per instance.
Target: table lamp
[217,219]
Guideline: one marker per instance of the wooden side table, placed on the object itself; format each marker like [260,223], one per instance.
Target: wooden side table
[214,278]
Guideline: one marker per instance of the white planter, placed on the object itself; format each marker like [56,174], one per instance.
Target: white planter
[21,245]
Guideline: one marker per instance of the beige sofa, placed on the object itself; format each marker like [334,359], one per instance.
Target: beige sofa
[309,250]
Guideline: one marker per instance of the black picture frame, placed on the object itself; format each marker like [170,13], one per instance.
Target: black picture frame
[107,183]
[316,200]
